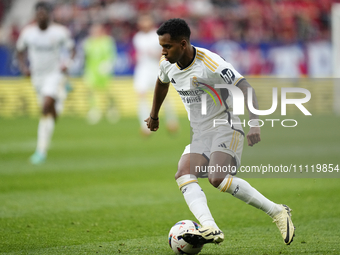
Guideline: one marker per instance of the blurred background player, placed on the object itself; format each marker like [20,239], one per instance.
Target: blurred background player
[100,53]
[45,42]
[148,53]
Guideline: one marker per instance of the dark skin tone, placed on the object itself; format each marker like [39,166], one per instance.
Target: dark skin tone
[43,19]
[182,52]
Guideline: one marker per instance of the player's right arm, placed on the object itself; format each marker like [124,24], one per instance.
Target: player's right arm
[21,48]
[23,67]
[161,90]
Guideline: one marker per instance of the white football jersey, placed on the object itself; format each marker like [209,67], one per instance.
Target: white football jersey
[44,47]
[147,47]
[198,78]
[148,52]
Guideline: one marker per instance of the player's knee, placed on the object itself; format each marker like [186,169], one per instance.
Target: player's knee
[180,172]
[215,181]
[48,107]
[177,175]
[183,167]
[46,110]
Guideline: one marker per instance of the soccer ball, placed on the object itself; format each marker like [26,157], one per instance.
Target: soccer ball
[177,243]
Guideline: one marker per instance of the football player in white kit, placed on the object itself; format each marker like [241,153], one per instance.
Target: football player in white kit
[192,68]
[148,52]
[44,42]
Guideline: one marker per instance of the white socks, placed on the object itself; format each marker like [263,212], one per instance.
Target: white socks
[196,199]
[244,191]
[45,131]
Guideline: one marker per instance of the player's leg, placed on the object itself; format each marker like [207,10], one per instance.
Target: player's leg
[112,112]
[52,92]
[192,192]
[186,178]
[241,189]
[143,83]
[93,82]
[49,108]
[45,130]
[95,113]
[143,112]
[170,116]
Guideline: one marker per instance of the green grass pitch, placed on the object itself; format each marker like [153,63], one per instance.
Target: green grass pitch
[106,190]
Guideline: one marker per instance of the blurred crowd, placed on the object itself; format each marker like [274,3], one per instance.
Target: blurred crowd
[4,6]
[286,38]
[252,21]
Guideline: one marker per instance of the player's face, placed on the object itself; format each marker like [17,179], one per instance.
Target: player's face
[42,17]
[145,23]
[171,49]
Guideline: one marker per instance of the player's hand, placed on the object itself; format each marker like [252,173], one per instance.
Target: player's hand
[153,125]
[25,71]
[66,65]
[254,136]
[64,68]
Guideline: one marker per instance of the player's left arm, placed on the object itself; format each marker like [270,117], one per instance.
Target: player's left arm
[69,44]
[67,64]
[254,134]
[22,63]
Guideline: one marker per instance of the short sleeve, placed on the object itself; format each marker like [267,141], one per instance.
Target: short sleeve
[21,42]
[162,75]
[68,41]
[227,74]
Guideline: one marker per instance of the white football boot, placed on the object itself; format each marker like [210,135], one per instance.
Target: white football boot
[284,222]
[204,235]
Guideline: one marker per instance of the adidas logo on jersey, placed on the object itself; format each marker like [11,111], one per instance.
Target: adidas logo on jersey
[173,81]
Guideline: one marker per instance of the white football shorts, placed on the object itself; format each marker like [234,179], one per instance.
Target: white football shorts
[51,85]
[220,138]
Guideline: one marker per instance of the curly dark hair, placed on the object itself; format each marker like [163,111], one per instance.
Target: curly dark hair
[44,5]
[176,28]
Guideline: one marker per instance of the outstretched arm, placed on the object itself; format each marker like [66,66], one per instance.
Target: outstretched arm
[254,134]
[161,90]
